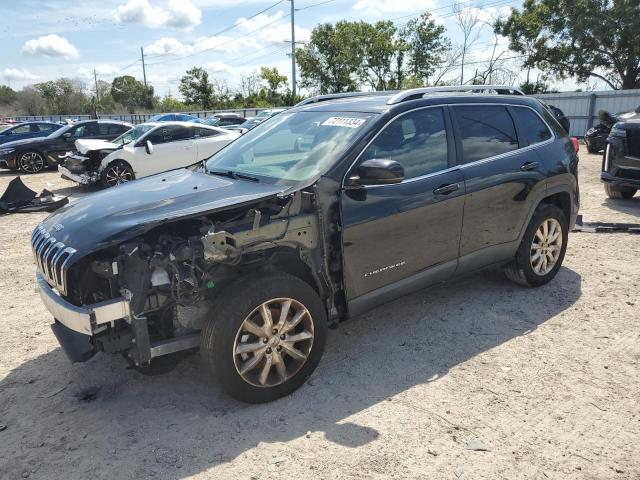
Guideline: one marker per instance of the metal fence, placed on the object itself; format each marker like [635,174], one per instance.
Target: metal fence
[134,118]
[582,107]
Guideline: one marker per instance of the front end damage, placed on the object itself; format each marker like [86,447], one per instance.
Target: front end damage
[85,164]
[149,296]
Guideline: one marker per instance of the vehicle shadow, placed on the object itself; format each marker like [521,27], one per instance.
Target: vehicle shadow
[71,421]
[630,206]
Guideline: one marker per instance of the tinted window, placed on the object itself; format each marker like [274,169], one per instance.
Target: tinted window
[112,129]
[45,127]
[170,133]
[22,129]
[417,140]
[533,129]
[85,130]
[486,131]
[206,132]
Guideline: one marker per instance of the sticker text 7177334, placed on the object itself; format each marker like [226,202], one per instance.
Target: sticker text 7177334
[343,122]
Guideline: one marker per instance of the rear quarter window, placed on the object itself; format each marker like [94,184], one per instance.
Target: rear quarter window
[532,128]
[485,131]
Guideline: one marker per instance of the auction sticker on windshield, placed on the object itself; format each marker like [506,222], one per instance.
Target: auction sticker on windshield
[344,122]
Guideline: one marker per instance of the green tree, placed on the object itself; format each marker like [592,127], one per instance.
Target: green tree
[7,95]
[578,38]
[274,79]
[63,96]
[330,62]
[196,88]
[131,93]
[427,46]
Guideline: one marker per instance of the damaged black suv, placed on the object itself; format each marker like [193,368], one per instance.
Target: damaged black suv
[320,213]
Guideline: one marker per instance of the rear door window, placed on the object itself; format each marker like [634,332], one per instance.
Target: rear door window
[171,133]
[533,129]
[485,131]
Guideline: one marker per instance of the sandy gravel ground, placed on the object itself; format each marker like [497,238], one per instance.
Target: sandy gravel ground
[545,381]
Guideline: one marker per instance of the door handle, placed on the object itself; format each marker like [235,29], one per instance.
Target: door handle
[187,148]
[446,189]
[529,166]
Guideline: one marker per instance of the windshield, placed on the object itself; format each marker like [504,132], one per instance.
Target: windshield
[133,134]
[291,147]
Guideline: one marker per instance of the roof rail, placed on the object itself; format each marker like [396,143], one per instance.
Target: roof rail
[416,93]
[336,96]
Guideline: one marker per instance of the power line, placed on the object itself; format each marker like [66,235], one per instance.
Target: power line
[226,29]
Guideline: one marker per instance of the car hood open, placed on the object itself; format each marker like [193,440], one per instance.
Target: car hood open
[118,214]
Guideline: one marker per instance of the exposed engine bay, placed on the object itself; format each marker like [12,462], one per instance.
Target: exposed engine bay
[172,274]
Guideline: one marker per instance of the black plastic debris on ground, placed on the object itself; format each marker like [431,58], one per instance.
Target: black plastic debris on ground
[18,198]
[603,227]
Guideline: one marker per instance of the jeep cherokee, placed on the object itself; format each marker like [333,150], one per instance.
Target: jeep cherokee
[321,213]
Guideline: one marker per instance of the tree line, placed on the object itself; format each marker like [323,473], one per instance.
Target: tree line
[558,39]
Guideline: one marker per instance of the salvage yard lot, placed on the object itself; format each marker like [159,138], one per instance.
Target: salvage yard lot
[475,379]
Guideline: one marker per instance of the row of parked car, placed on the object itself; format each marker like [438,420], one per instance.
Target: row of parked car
[111,152]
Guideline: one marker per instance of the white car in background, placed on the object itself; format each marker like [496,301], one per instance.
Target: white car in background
[146,149]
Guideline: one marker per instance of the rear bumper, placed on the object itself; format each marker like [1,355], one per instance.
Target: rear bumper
[606,177]
[82,178]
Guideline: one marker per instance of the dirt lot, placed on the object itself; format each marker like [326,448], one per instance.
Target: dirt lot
[546,381]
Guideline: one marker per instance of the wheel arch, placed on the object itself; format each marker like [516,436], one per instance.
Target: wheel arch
[561,196]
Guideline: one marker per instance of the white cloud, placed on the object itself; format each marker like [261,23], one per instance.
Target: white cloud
[183,14]
[168,46]
[180,14]
[18,74]
[377,8]
[51,46]
[215,68]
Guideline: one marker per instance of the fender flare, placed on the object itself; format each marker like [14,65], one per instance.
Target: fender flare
[547,192]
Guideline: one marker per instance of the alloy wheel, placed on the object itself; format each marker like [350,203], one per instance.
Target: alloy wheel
[546,246]
[31,162]
[117,174]
[273,342]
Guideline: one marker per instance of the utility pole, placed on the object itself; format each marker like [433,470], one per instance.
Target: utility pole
[144,71]
[95,77]
[293,50]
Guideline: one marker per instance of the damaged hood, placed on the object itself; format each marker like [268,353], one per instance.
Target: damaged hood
[111,216]
[84,146]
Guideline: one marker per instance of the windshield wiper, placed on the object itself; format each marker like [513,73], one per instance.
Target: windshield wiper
[233,175]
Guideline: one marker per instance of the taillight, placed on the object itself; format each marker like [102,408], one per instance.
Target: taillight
[576,145]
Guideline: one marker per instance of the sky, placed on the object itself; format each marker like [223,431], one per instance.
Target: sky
[45,39]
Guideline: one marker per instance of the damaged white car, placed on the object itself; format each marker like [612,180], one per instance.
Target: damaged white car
[146,149]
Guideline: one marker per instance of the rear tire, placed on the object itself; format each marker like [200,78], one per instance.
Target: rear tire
[541,252]
[31,162]
[256,360]
[619,193]
[116,173]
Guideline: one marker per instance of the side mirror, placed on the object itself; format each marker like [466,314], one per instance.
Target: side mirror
[148,146]
[377,171]
[67,135]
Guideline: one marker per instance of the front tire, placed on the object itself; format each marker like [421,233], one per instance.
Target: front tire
[116,173]
[619,193]
[266,337]
[542,249]
[31,162]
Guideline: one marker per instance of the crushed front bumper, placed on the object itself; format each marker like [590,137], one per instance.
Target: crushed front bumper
[75,326]
[82,178]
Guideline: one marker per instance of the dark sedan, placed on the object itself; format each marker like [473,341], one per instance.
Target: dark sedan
[26,130]
[34,154]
